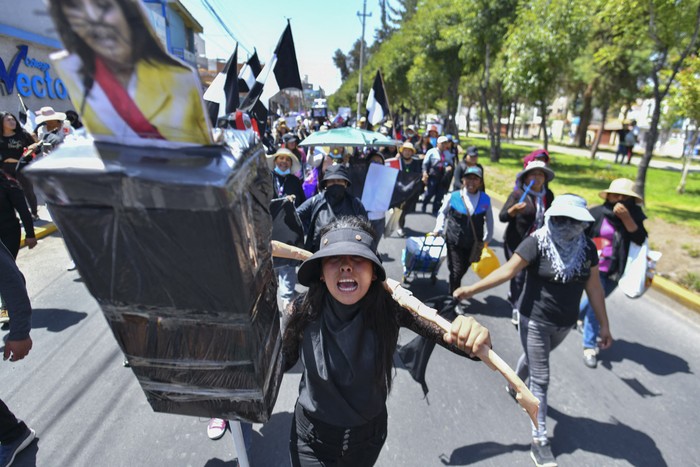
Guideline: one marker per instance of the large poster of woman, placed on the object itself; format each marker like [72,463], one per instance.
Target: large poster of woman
[122,82]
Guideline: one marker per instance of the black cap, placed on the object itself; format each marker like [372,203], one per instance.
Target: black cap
[336,172]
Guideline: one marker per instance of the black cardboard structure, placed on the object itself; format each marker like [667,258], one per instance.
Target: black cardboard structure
[175,247]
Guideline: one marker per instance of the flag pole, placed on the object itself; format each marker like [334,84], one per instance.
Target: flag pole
[364,15]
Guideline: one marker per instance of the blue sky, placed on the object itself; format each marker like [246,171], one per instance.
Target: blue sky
[319,28]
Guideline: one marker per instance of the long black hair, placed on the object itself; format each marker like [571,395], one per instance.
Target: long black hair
[19,130]
[379,310]
[144,46]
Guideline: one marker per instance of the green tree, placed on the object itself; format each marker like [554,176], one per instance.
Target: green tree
[539,48]
[684,103]
[671,32]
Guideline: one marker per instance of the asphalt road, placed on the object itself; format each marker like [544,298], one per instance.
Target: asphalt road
[640,407]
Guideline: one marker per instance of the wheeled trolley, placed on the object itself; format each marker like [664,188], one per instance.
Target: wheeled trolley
[423,255]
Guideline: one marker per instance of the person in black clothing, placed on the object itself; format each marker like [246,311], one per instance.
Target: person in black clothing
[561,262]
[11,201]
[15,435]
[411,170]
[471,158]
[333,202]
[17,148]
[344,330]
[524,214]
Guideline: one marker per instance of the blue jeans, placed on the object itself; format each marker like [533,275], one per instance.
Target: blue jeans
[591,327]
[538,340]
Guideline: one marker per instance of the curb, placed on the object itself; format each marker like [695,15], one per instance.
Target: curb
[41,232]
[676,292]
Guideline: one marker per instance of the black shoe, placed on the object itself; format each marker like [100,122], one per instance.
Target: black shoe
[541,453]
[590,358]
[9,451]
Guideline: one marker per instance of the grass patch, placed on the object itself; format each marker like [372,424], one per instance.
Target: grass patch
[690,281]
[587,178]
[692,250]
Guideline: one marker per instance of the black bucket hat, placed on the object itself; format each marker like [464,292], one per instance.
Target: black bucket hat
[336,172]
[340,242]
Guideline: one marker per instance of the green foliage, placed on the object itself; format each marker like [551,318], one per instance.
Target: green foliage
[587,178]
[690,281]
[684,97]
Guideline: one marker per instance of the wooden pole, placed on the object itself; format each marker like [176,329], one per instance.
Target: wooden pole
[406,299]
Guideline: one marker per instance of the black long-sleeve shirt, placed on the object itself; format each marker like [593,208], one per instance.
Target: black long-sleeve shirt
[14,294]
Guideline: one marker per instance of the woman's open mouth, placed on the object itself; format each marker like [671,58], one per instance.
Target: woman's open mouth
[347,285]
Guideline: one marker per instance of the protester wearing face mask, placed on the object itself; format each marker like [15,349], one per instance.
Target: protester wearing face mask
[333,202]
[284,164]
[617,223]
[561,262]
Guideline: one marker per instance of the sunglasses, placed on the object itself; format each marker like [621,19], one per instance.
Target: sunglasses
[564,220]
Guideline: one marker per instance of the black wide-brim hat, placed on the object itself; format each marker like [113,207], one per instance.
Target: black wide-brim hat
[340,242]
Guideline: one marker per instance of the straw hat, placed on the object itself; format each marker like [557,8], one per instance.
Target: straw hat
[621,186]
[296,166]
[47,114]
[407,145]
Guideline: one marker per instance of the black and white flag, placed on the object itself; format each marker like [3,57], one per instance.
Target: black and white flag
[221,98]
[251,69]
[377,102]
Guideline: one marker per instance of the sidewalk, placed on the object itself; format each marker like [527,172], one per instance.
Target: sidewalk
[605,155]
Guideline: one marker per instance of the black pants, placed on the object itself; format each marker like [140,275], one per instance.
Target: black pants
[10,168]
[10,427]
[458,264]
[314,443]
[11,236]
[408,207]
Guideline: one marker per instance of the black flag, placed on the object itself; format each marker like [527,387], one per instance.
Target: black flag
[252,68]
[286,66]
[377,101]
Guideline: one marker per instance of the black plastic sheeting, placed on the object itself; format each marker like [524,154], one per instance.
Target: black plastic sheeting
[174,244]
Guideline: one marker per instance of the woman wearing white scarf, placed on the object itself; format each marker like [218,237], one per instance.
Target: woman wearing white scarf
[560,262]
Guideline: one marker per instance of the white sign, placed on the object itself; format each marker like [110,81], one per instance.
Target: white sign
[379,186]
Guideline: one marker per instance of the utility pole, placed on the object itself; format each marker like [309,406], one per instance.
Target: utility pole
[364,15]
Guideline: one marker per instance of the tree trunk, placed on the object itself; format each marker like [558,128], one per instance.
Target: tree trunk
[499,112]
[481,117]
[515,115]
[586,112]
[489,120]
[687,154]
[652,136]
[543,126]
[599,136]
[469,111]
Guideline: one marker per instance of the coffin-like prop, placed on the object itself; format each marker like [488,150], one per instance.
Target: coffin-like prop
[174,244]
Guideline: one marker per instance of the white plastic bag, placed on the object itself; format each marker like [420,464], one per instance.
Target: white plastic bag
[640,269]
